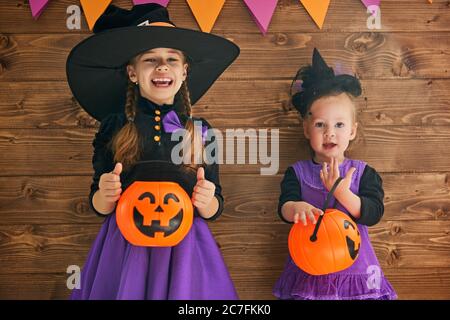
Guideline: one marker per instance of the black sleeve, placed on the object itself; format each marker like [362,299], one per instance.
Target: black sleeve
[290,190]
[212,171]
[102,159]
[371,194]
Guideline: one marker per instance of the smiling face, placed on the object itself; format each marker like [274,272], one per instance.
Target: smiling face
[330,126]
[159,73]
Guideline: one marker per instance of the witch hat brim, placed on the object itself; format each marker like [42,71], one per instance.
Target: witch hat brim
[96,67]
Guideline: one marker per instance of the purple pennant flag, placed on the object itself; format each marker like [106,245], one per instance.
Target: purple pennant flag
[161,2]
[262,11]
[37,7]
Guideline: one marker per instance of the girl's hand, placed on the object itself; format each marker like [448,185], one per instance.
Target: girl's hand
[109,184]
[203,191]
[303,210]
[329,177]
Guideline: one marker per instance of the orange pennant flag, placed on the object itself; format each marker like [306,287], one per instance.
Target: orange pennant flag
[206,12]
[93,9]
[317,9]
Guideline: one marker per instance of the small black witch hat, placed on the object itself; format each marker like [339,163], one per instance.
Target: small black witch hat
[319,80]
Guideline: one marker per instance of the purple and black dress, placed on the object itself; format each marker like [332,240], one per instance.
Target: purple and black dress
[116,269]
[364,279]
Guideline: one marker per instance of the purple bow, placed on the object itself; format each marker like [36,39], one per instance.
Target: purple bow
[172,123]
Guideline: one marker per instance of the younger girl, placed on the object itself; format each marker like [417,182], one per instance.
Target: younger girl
[326,104]
[133,75]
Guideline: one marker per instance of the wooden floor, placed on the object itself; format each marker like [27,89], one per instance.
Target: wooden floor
[45,140]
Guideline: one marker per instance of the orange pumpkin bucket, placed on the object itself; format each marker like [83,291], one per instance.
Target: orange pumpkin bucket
[156,213]
[330,246]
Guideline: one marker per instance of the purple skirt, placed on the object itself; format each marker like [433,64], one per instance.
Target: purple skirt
[295,284]
[193,269]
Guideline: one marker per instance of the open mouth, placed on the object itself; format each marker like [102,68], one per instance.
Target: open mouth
[162,82]
[329,146]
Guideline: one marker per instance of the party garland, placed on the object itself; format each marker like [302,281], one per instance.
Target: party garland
[206,12]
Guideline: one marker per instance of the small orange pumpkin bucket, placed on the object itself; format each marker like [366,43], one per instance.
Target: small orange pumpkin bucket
[330,246]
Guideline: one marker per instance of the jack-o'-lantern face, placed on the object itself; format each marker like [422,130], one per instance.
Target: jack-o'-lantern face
[353,243]
[154,213]
[329,246]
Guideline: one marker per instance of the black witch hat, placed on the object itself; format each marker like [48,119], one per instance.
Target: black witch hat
[96,67]
[319,80]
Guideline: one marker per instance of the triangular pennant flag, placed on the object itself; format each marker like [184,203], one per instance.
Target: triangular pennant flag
[161,2]
[317,9]
[37,7]
[368,3]
[206,12]
[262,11]
[93,9]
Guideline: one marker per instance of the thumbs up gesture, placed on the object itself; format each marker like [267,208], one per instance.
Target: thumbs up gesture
[203,191]
[109,185]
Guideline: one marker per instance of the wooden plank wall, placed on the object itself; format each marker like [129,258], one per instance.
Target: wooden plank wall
[45,140]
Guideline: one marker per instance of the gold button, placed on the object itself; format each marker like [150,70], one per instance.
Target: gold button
[158,112]
[157,118]
[157,138]
[157,127]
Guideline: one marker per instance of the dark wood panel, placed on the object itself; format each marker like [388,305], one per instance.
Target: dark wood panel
[49,200]
[256,103]
[248,198]
[408,244]
[397,244]
[34,286]
[369,55]
[45,140]
[41,105]
[388,149]
[52,248]
[344,15]
[409,283]
[407,197]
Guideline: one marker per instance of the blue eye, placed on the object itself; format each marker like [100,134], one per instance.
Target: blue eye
[340,125]
[319,124]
